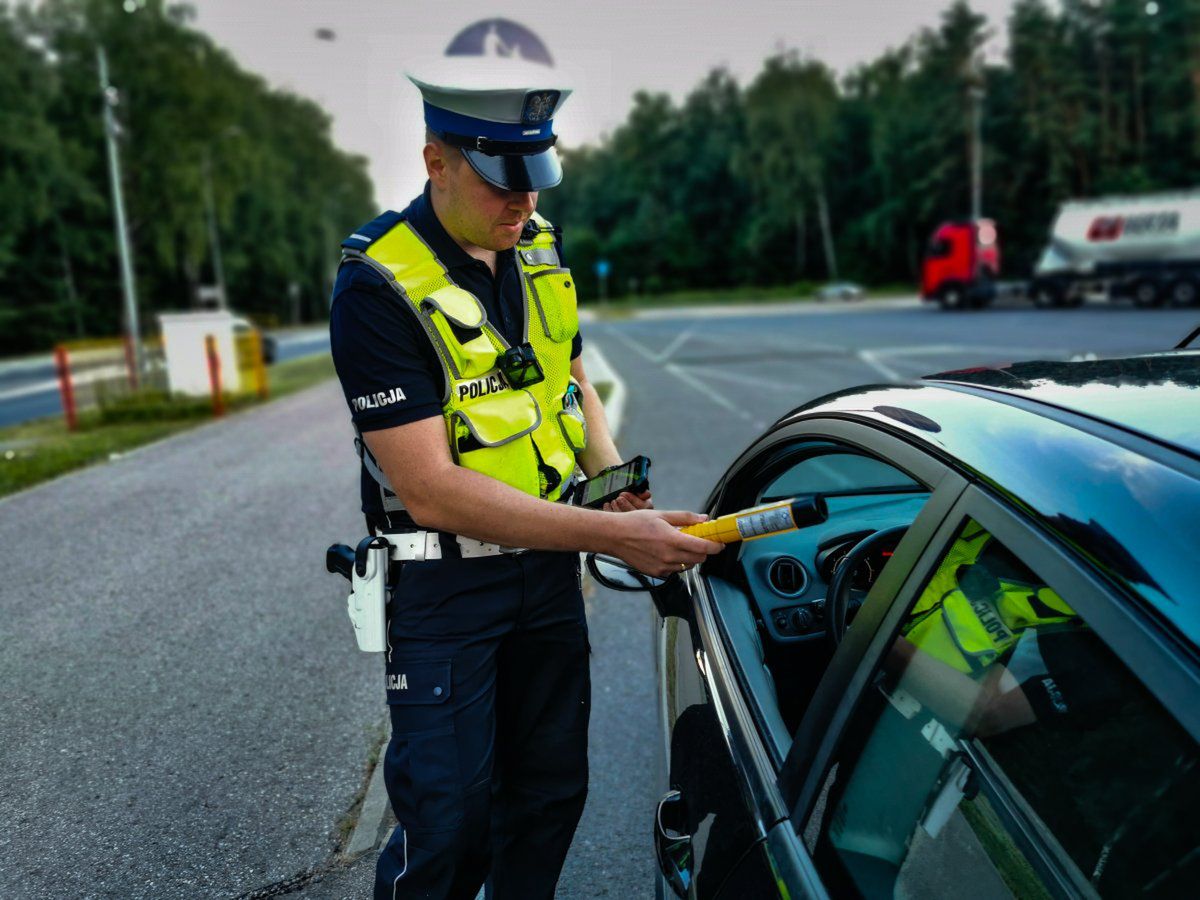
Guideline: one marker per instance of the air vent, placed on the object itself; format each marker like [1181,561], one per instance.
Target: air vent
[787,576]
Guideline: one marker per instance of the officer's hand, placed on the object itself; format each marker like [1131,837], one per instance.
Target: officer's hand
[650,541]
[627,502]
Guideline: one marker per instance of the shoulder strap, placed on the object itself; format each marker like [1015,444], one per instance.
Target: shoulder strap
[372,231]
[537,244]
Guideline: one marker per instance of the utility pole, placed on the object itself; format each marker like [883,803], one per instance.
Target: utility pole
[109,95]
[977,95]
[214,239]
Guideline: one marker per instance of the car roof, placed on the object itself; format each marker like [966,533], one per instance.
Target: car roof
[1155,395]
[1124,498]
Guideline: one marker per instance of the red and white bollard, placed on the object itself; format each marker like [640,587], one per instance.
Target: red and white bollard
[63,364]
[214,374]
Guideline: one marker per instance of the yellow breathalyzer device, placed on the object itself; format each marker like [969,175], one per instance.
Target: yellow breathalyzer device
[762,521]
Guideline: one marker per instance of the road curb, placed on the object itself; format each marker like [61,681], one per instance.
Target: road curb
[596,364]
[374,807]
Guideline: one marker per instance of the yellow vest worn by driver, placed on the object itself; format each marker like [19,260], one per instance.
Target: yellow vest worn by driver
[527,437]
[970,627]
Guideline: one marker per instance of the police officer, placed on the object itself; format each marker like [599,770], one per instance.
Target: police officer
[455,335]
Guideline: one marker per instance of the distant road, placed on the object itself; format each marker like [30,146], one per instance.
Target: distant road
[29,387]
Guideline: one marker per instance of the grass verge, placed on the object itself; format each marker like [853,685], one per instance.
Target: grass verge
[37,451]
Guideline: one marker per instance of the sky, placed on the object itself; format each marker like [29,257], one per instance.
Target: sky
[606,51]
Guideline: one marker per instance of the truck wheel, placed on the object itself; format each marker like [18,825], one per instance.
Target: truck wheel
[1146,294]
[1184,292]
[952,297]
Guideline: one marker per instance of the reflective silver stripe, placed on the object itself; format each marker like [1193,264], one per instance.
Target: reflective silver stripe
[359,237]
[540,256]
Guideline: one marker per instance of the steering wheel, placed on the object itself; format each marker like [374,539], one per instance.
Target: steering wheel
[842,602]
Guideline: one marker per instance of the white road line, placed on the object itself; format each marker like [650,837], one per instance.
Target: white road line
[957,349]
[712,394]
[742,378]
[868,357]
[743,310]
[676,344]
[38,387]
[644,351]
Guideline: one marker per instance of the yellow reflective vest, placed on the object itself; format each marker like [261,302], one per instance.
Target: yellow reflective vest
[529,437]
[968,625]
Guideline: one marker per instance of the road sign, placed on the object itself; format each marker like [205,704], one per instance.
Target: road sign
[603,267]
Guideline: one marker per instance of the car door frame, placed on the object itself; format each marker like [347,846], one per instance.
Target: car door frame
[754,757]
[1157,658]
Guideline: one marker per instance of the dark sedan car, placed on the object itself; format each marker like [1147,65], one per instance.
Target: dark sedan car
[977,677]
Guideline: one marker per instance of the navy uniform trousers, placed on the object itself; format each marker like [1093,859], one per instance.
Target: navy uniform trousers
[489,695]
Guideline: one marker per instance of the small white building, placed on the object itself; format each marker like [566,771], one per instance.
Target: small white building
[184,336]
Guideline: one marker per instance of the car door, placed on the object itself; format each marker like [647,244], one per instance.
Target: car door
[1050,753]
[724,736]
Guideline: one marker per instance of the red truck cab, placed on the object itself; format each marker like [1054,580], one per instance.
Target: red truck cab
[961,264]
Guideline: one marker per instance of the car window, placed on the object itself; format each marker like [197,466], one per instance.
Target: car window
[1003,749]
[835,472]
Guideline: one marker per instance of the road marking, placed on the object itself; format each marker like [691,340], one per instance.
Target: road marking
[743,378]
[879,366]
[645,352]
[795,307]
[38,387]
[713,394]
[676,344]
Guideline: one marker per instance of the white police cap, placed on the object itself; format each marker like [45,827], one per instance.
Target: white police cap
[499,113]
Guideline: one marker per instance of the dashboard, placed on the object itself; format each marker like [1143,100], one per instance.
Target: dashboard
[788,575]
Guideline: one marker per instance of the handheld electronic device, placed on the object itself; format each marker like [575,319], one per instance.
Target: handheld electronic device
[632,476]
[762,521]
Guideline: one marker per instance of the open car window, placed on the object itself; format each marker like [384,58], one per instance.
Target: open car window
[788,575]
[836,471]
[1002,749]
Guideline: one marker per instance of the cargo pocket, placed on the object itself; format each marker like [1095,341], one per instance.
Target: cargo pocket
[422,766]
[492,436]
[459,324]
[553,293]
[574,428]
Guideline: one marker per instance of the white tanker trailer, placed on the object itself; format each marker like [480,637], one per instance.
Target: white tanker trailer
[1146,248]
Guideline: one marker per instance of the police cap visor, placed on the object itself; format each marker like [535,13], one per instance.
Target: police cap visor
[513,172]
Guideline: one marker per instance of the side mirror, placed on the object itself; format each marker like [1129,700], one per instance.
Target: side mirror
[615,575]
[670,595]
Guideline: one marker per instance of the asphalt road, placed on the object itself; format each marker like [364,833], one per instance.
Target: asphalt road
[185,713]
[29,387]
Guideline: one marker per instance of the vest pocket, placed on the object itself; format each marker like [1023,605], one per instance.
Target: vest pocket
[492,437]
[553,294]
[459,321]
[573,425]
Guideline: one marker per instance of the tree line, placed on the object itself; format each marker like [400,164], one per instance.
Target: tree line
[801,177]
[196,132]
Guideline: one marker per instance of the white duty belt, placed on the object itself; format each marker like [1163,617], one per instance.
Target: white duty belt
[417,546]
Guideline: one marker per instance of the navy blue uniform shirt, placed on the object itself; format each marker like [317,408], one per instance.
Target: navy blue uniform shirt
[379,346]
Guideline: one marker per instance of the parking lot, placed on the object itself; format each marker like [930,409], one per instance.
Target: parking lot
[186,712]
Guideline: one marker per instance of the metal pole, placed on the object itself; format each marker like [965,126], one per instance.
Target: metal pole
[977,153]
[214,238]
[114,175]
